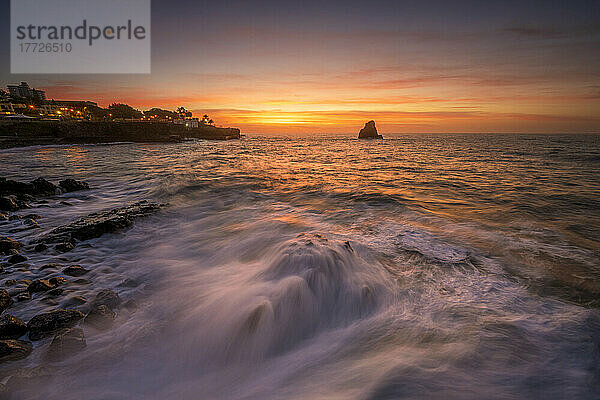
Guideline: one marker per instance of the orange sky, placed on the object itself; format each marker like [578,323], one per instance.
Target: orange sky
[317,67]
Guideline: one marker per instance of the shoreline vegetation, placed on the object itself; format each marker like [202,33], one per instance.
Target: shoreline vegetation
[30,133]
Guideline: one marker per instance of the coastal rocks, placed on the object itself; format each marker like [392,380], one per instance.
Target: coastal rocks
[45,324]
[11,327]
[8,203]
[97,224]
[5,300]
[107,297]
[39,285]
[12,349]
[16,258]
[72,185]
[369,131]
[75,270]
[66,343]
[7,245]
[100,317]
[15,195]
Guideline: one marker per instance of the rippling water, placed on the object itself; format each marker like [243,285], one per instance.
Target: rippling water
[438,267]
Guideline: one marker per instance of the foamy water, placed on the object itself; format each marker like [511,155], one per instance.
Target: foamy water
[439,267]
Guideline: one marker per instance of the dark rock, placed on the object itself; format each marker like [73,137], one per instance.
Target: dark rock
[33,216]
[75,270]
[7,244]
[10,282]
[100,317]
[65,344]
[16,258]
[42,187]
[96,224]
[40,247]
[369,131]
[11,349]
[5,300]
[64,247]
[71,185]
[3,217]
[107,298]
[15,217]
[8,203]
[81,281]
[31,223]
[55,292]
[40,285]
[43,325]
[51,266]
[11,327]
[24,296]
[57,280]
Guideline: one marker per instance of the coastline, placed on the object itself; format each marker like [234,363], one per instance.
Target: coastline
[31,133]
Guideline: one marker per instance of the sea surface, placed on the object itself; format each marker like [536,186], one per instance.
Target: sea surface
[415,267]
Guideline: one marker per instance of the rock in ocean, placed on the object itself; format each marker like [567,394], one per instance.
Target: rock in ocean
[369,131]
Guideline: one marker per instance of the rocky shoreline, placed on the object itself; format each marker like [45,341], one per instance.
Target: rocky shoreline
[31,133]
[44,315]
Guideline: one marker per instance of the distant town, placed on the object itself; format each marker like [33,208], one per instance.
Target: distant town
[24,103]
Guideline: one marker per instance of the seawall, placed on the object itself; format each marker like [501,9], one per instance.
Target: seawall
[28,133]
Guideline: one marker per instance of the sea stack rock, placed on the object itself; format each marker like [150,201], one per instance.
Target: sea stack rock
[369,131]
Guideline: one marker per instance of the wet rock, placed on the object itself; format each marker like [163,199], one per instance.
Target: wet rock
[64,247]
[11,327]
[16,258]
[3,217]
[130,283]
[8,203]
[66,343]
[72,185]
[40,285]
[130,304]
[97,224]
[40,247]
[75,301]
[51,266]
[81,281]
[12,349]
[100,317]
[32,216]
[75,270]
[31,223]
[28,378]
[24,296]
[5,300]
[45,324]
[7,244]
[57,280]
[55,292]
[369,131]
[10,282]
[15,217]
[107,297]
[41,187]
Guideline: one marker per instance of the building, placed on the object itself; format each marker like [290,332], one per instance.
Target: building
[24,91]
[188,122]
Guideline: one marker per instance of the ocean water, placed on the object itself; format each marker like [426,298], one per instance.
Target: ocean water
[417,267]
